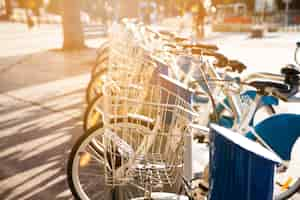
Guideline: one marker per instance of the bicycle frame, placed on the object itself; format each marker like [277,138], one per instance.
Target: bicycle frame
[242,120]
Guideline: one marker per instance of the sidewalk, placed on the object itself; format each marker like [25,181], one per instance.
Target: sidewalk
[40,116]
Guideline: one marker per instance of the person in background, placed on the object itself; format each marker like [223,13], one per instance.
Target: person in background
[199,14]
[29,20]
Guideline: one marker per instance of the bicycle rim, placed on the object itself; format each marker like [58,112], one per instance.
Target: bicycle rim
[93,114]
[287,189]
[95,85]
[86,168]
[262,113]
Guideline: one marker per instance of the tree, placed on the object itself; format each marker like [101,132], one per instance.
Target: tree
[72,27]
[8,8]
[55,7]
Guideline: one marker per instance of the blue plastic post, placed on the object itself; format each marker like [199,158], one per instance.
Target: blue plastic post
[240,169]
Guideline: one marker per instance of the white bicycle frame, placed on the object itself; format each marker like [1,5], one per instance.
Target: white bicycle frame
[241,119]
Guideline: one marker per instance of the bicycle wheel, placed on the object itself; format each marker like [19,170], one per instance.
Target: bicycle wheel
[281,134]
[101,61]
[287,181]
[286,190]
[102,55]
[95,85]
[93,113]
[86,171]
[262,113]
[297,55]
[87,167]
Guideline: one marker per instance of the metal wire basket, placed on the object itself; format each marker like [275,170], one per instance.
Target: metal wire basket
[145,115]
[144,141]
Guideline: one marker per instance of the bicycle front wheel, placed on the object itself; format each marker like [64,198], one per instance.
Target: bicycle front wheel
[95,85]
[289,191]
[93,113]
[297,55]
[287,179]
[87,167]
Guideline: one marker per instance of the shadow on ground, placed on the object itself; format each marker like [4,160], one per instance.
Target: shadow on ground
[34,145]
[41,102]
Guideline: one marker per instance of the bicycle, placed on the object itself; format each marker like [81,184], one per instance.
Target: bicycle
[100,132]
[271,131]
[140,148]
[94,87]
[123,148]
[160,40]
[93,114]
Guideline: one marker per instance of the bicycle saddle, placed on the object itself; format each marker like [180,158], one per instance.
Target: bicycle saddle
[180,39]
[236,65]
[291,76]
[282,90]
[298,44]
[206,52]
[201,46]
[290,70]
[264,85]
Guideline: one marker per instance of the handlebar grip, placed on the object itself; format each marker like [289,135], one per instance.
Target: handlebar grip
[236,65]
[205,52]
[222,60]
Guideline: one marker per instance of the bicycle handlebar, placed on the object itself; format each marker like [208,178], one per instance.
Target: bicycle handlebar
[222,60]
[262,75]
[281,87]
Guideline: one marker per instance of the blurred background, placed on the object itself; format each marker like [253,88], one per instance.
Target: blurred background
[221,15]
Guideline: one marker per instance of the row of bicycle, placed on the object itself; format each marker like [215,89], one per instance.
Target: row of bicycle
[152,94]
